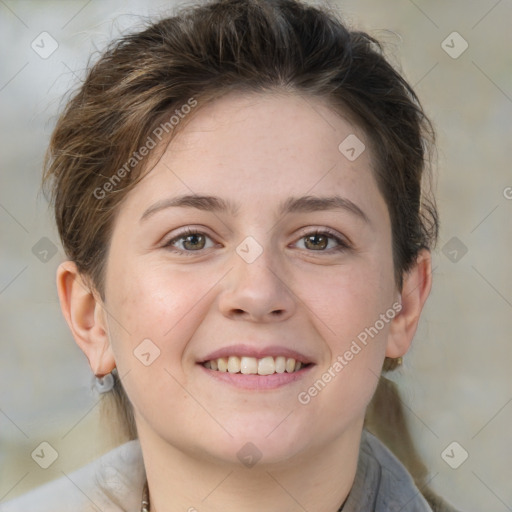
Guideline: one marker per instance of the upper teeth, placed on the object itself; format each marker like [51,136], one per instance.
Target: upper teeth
[250,365]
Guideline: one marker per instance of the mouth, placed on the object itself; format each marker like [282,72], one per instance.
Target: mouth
[268,365]
[256,368]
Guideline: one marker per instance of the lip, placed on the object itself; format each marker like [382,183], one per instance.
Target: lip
[258,353]
[256,382]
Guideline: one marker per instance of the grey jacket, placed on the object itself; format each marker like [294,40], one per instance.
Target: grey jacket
[381,484]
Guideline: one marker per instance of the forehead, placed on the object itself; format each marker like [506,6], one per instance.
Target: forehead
[261,148]
[291,125]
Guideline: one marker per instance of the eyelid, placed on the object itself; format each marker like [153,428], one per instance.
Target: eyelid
[343,243]
[184,232]
[326,231]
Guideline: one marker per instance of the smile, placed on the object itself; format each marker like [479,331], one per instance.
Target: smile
[252,366]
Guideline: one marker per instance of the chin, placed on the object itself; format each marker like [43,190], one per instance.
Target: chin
[262,441]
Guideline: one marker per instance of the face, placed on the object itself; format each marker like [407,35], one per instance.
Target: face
[271,277]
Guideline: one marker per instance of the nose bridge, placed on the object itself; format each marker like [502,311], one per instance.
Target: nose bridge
[257,285]
[257,264]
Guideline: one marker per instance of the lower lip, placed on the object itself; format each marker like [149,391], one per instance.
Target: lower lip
[257,382]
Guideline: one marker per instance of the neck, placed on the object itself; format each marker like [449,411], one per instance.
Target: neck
[319,479]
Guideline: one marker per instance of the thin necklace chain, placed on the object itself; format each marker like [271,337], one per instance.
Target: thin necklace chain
[145,499]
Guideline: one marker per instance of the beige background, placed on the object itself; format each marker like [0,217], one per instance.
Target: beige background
[456,381]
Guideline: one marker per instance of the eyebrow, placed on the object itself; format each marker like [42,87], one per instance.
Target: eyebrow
[305,204]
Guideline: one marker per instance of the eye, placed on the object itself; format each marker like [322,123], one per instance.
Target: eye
[318,241]
[190,240]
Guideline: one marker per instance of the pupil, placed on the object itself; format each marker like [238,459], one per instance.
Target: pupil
[194,239]
[316,237]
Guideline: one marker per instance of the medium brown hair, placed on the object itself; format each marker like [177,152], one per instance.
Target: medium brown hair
[203,53]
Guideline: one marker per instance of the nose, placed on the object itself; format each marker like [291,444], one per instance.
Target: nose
[259,291]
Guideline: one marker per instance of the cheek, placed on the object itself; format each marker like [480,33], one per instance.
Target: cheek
[354,304]
[156,304]
[143,305]
[347,307]
[349,300]
[153,314]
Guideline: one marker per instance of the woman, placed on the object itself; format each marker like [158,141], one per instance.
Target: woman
[239,192]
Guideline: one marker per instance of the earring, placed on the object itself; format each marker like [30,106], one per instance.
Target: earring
[104,383]
[391,363]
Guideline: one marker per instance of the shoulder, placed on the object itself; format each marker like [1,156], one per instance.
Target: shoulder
[383,481]
[111,483]
[397,490]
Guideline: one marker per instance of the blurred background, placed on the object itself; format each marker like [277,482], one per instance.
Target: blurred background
[456,381]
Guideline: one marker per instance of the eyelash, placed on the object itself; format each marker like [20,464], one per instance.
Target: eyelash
[342,244]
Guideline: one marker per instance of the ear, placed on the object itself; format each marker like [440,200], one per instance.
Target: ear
[415,290]
[86,318]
